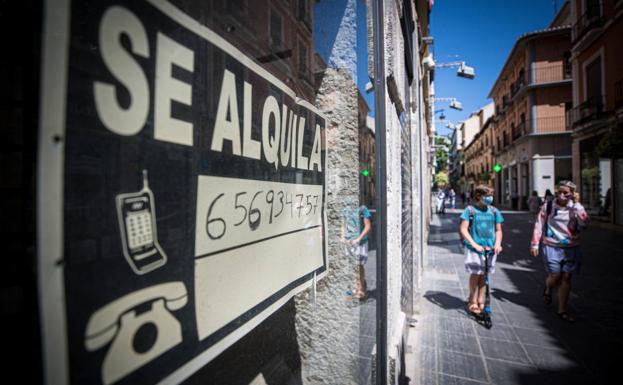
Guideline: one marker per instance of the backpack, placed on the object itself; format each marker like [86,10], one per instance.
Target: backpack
[471,220]
[548,210]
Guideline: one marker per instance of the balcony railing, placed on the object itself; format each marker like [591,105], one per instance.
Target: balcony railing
[591,109]
[618,94]
[551,124]
[590,19]
[541,74]
[516,86]
[519,131]
[549,73]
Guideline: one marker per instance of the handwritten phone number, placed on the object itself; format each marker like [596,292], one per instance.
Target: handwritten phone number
[249,209]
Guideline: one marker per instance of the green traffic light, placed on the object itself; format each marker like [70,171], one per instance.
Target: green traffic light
[365,173]
[497,167]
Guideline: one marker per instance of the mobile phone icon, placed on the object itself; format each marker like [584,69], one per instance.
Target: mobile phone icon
[137,223]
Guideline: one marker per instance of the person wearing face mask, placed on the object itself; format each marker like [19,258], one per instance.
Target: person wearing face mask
[481,226]
[558,228]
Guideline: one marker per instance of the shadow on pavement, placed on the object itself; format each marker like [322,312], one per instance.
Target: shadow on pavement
[585,352]
[589,346]
[444,300]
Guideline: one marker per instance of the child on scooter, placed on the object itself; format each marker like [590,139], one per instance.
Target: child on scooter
[481,227]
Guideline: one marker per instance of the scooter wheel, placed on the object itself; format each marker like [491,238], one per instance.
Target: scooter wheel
[488,322]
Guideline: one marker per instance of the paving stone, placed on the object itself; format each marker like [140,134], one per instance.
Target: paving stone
[528,322]
[426,358]
[445,283]
[551,359]
[539,338]
[498,332]
[424,377]
[427,338]
[445,379]
[462,365]
[505,373]
[455,325]
[504,350]
[462,343]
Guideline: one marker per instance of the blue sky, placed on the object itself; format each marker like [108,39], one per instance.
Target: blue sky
[481,33]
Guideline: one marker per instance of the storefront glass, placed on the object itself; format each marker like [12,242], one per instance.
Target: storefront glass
[213,182]
[618,196]
[596,176]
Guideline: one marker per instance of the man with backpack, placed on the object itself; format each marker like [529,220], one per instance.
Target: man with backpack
[481,226]
[558,228]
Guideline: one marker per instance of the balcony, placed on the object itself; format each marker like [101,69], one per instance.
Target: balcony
[542,74]
[519,131]
[551,124]
[517,86]
[549,73]
[505,102]
[590,19]
[591,109]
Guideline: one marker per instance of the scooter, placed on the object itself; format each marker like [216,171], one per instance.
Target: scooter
[485,317]
[486,313]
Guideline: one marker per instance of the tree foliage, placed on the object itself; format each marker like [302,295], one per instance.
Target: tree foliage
[441,179]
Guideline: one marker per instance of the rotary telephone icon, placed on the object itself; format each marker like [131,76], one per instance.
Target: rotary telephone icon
[119,323]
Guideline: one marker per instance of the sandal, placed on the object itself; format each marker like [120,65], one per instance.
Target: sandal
[473,308]
[566,316]
[547,297]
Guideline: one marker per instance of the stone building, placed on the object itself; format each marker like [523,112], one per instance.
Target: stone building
[596,117]
[532,94]
[456,167]
[465,170]
[479,157]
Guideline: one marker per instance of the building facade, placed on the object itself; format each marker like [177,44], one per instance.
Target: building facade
[463,171]
[597,115]
[532,140]
[455,159]
[479,157]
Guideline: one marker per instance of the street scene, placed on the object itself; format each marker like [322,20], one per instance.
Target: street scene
[528,343]
[298,192]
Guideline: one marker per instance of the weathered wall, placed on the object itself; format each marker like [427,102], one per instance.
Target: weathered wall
[328,328]
[394,65]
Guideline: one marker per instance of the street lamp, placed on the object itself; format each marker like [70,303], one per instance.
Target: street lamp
[454,104]
[441,116]
[463,71]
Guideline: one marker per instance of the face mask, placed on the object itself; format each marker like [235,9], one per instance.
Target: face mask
[487,200]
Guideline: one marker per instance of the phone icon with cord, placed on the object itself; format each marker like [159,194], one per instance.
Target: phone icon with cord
[137,224]
[127,323]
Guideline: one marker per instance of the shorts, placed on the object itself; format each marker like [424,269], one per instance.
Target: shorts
[362,252]
[562,259]
[475,262]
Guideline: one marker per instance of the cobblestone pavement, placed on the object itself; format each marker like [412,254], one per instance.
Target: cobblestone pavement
[528,343]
